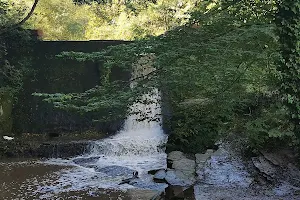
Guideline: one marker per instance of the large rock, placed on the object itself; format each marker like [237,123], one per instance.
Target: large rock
[175,155]
[182,170]
[174,192]
[172,156]
[175,177]
[186,166]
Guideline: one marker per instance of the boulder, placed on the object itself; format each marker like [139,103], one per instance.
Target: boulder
[186,166]
[172,156]
[174,192]
[182,170]
[175,155]
[264,167]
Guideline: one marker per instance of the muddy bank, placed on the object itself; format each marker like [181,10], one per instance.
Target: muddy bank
[47,146]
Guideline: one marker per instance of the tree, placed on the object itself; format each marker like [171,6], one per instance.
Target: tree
[217,71]
[60,20]
[4,6]
[13,36]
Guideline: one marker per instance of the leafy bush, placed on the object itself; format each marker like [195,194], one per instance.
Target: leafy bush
[270,129]
[194,128]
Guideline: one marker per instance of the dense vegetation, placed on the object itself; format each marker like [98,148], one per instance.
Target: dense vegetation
[220,65]
[14,41]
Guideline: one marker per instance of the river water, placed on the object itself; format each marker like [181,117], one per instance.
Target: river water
[97,174]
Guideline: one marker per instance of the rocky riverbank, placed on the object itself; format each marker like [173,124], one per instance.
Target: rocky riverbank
[223,175]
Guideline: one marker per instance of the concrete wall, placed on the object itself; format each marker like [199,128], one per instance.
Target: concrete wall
[55,75]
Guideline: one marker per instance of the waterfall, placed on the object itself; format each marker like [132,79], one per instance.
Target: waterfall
[139,140]
[137,147]
[138,137]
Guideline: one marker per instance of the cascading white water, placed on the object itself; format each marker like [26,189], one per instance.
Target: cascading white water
[138,137]
[142,136]
[139,144]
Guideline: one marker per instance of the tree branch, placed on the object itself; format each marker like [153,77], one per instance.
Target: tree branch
[4,30]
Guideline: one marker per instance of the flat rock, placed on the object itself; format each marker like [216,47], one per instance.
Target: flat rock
[209,192]
[223,170]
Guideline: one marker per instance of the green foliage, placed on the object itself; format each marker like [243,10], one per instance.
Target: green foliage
[270,128]
[11,12]
[194,128]
[288,24]
[211,69]
[97,101]
[60,20]
[120,20]
[14,48]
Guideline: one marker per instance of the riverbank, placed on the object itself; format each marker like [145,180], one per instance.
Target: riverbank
[224,174]
[62,145]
